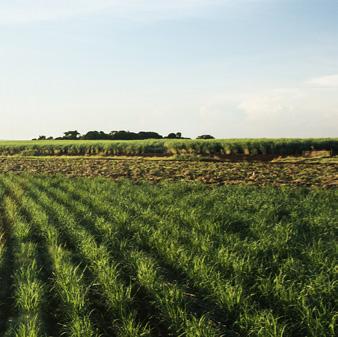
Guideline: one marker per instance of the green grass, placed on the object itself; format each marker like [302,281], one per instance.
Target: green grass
[220,147]
[29,290]
[104,258]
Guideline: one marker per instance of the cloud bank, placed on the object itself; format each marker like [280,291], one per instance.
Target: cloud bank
[309,109]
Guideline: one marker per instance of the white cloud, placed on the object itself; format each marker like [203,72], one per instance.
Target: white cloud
[303,111]
[306,110]
[25,11]
[329,81]
[270,105]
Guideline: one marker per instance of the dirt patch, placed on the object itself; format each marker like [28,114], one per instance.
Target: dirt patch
[317,154]
[257,173]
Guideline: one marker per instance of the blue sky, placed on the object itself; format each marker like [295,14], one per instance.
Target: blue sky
[230,68]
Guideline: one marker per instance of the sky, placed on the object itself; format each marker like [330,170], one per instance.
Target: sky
[229,68]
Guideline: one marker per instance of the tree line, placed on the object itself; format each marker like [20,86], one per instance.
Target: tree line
[118,135]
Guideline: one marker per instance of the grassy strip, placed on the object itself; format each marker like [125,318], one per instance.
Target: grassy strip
[30,294]
[5,265]
[117,295]
[226,296]
[168,298]
[67,277]
[277,287]
[272,247]
[266,268]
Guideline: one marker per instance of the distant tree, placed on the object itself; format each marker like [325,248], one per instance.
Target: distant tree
[177,135]
[149,135]
[91,135]
[122,135]
[42,138]
[71,135]
[172,135]
[50,138]
[205,137]
[104,135]
[113,135]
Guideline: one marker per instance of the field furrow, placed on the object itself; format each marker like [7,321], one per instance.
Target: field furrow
[94,257]
[67,279]
[241,267]
[167,297]
[6,257]
[29,290]
[116,294]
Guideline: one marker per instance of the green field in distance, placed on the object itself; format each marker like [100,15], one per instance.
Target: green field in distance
[168,147]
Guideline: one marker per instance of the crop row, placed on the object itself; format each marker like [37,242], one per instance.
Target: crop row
[92,257]
[222,147]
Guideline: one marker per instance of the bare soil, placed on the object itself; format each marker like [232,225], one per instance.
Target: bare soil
[243,172]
